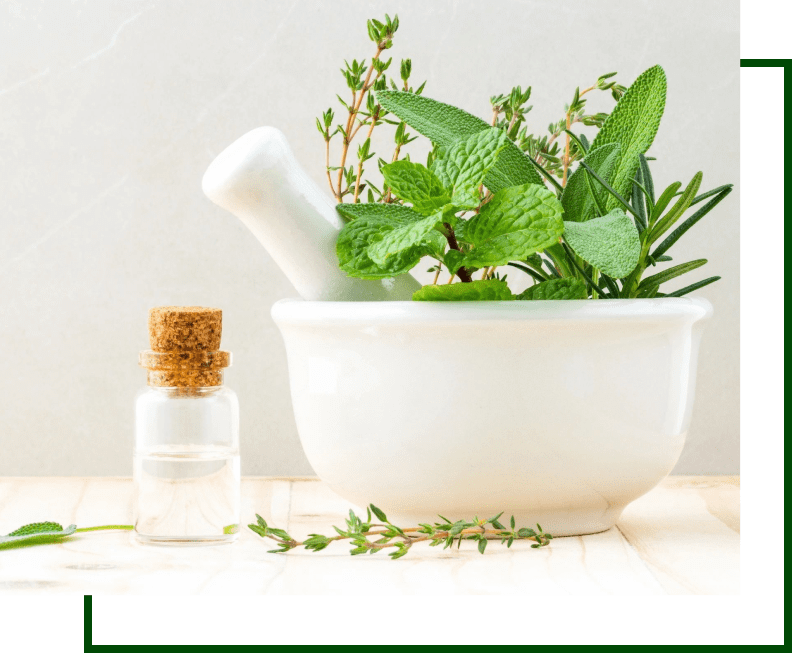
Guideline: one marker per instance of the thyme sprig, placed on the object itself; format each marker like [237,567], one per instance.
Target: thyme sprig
[362,112]
[545,149]
[370,536]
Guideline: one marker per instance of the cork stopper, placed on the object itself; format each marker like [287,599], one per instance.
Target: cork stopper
[185,328]
[185,347]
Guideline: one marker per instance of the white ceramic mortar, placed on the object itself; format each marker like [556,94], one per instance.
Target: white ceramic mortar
[559,412]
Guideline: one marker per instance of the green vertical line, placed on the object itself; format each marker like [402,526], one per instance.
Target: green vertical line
[87,618]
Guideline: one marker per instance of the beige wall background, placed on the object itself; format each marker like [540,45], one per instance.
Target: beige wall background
[111,111]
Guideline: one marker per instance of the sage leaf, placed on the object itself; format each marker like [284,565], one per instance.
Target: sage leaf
[610,243]
[416,184]
[514,224]
[567,288]
[38,533]
[490,290]
[577,199]
[633,124]
[443,124]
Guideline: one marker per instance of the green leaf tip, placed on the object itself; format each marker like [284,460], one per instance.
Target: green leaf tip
[37,533]
[443,124]
[567,288]
[490,290]
[633,124]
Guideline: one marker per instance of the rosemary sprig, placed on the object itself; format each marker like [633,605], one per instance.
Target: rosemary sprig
[370,537]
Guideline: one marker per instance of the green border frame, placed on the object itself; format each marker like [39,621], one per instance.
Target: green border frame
[756,617]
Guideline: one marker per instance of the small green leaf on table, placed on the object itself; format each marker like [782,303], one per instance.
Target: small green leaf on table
[38,533]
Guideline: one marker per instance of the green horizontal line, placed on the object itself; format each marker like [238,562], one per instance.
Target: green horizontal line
[765,63]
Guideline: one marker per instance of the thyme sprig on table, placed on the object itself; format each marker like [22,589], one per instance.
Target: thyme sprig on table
[370,537]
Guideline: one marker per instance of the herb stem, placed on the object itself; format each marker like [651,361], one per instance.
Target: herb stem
[327,168]
[462,273]
[374,117]
[354,108]
[112,527]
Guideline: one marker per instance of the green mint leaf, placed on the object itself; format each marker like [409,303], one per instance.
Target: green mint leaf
[370,224]
[416,184]
[38,533]
[491,290]
[443,124]
[453,259]
[633,124]
[377,210]
[567,288]
[402,238]
[610,243]
[514,224]
[466,164]
[577,200]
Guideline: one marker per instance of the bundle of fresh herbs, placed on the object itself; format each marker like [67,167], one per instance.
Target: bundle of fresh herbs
[583,221]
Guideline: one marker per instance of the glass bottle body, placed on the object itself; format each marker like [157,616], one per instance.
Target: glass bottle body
[186,465]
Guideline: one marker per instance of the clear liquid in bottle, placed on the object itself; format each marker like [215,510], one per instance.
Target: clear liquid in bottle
[187,495]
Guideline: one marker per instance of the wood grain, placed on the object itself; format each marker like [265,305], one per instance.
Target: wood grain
[681,538]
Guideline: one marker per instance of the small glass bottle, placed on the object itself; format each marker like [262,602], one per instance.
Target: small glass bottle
[186,458]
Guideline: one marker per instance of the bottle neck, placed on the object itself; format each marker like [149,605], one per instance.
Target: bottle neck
[186,380]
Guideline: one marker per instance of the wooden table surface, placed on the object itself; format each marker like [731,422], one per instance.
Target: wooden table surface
[681,538]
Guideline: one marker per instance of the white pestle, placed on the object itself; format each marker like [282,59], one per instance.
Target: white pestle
[258,179]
